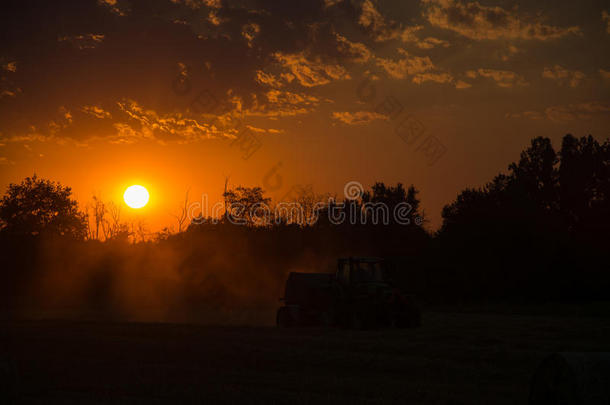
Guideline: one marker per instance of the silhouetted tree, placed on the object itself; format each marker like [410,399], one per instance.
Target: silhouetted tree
[393,196]
[538,231]
[98,212]
[114,228]
[36,206]
[247,204]
[182,215]
[584,177]
[535,175]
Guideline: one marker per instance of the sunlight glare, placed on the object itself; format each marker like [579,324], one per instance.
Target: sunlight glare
[136,196]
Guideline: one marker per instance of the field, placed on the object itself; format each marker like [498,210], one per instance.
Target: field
[452,359]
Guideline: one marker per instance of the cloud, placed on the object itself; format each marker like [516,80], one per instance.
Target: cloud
[85,41]
[250,31]
[95,58]
[419,68]
[8,89]
[129,122]
[407,65]
[432,77]
[175,127]
[96,111]
[118,7]
[409,35]
[576,111]
[310,73]
[195,4]
[268,79]
[605,74]
[507,53]
[357,51]
[10,66]
[478,22]
[563,76]
[358,117]
[280,103]
[382,30]
[532,115]
[460,85]
[503,78]
[375,23]
[9,93]
[606,19]
[563,113]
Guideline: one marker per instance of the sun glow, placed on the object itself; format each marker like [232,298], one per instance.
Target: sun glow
[136,196]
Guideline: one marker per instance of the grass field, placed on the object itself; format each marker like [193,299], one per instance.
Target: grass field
[452,359]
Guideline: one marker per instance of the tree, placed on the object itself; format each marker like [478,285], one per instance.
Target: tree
[38,206]
[98,212]
[393,196]
[114,228]
[583,177]
[536,174]
[247,205]
[183,213]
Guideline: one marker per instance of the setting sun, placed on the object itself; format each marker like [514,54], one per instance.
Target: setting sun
[136,196]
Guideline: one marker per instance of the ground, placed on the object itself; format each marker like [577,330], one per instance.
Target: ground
[452,359]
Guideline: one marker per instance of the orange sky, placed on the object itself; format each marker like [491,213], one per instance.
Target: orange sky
[101,96]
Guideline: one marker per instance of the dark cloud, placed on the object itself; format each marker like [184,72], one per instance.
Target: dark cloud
[130,70]
[73,55]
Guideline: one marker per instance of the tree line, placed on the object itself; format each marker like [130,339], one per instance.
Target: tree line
[539,232]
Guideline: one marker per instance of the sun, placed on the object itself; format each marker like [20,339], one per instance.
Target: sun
[136,196]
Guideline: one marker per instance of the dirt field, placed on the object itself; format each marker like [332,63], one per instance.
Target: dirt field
[452,359]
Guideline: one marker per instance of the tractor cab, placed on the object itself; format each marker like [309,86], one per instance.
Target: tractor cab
[359,295]
[357,270]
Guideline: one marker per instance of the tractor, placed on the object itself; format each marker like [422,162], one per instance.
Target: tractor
[359,295]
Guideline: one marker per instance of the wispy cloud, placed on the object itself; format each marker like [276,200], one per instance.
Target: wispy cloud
[164,127]
[84,41]
[478,22]
[460,85]
[250,31]
[409,35]
[406,65]
[563,76]
[268,79]
[382,29]
[118,7]
[356,51]
[96,111]
[281,103]
[4,161]
[311,73]
[563,113]
[358,117]
[503,78]
[442,77]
